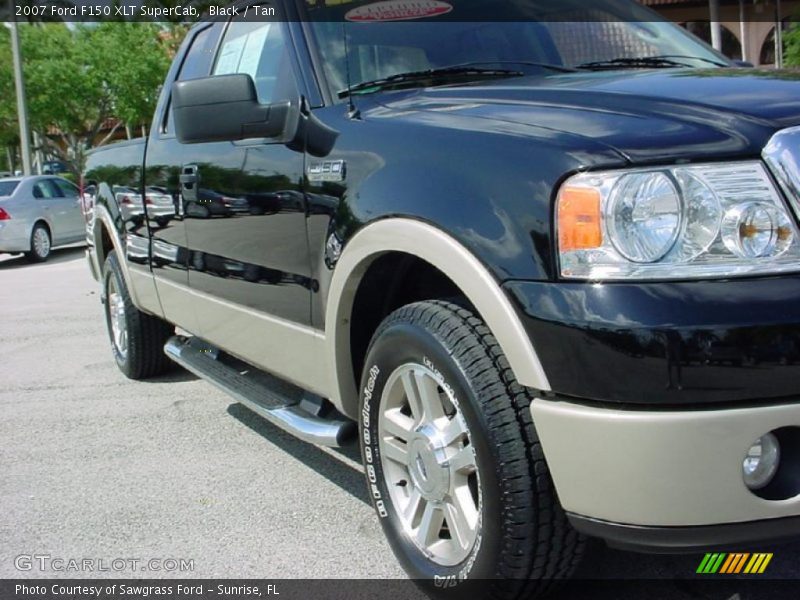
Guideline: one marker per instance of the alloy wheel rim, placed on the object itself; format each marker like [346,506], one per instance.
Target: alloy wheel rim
[119,326]
[41,242]
[429,464]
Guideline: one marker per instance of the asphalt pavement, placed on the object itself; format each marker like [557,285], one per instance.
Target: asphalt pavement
[96,467]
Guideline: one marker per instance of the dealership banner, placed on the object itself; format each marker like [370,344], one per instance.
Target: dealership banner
[716,588]
[349,11]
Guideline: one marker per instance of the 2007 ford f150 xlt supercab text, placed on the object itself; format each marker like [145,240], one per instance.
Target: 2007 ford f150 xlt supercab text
[544,266]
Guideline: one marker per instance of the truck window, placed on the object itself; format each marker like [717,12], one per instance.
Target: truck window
[197,63]
[258,49]
[199,57]
[493,31]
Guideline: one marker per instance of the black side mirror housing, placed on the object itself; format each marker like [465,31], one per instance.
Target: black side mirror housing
[226,108]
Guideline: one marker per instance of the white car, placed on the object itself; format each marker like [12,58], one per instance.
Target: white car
[160,206]
[38,213]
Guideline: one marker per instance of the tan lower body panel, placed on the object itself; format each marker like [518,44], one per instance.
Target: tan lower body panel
[658,468]
[290,351]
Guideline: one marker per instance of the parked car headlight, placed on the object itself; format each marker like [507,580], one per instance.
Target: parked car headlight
[683,222]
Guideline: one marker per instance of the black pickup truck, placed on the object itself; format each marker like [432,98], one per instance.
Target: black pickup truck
[543,263]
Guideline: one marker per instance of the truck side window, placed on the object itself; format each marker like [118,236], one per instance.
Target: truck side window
[259,49]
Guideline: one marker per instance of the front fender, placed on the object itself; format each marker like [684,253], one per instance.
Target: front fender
[454,260]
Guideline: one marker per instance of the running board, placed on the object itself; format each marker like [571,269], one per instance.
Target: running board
[287,406]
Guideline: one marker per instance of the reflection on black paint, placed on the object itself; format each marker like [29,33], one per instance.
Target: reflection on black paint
[220,266]
[667,343]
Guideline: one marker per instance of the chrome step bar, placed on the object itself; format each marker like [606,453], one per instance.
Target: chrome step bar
[278,402]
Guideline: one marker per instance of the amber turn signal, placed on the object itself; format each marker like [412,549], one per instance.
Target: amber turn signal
[579,219]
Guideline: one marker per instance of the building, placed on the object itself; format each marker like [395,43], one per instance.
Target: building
[747,28]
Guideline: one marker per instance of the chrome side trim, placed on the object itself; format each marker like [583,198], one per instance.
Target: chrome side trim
[782,155]
[451,258]
[289,350]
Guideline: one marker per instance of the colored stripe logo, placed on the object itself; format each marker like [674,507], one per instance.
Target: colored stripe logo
[734,563]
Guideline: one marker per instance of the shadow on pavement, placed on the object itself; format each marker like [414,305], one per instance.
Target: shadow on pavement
[176,375]
[18,261]
[346,477]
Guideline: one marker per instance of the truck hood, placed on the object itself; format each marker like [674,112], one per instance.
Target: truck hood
[646,116]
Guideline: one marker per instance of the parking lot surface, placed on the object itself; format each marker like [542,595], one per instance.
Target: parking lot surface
[98,467]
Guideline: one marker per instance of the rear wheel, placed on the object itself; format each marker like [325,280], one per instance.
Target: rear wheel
[41,244]
[453,462]
[137,339]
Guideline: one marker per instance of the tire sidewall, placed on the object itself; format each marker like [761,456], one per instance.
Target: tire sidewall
[34,253]
[404,343]
[112,272]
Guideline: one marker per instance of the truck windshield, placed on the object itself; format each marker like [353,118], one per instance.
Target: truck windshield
[496,32]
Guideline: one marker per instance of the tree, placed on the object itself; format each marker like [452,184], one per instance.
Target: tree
[9,137]
[83,83]
[67,101]
[791,40]
[132,80]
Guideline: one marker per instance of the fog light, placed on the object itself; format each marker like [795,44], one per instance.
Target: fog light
[761,462]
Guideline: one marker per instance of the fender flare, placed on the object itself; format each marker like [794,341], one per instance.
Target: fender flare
[102,217]
[454,260]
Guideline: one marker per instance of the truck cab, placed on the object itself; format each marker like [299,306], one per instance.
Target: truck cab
[541,265]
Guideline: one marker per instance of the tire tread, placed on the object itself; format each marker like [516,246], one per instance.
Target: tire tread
[541,548]
[147,334]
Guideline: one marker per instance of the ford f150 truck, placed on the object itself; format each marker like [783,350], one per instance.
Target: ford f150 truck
[543,264]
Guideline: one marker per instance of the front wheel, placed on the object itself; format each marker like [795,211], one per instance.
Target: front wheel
[454,466]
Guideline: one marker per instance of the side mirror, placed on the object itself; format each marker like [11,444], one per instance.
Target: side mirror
[743,64]
[225,108]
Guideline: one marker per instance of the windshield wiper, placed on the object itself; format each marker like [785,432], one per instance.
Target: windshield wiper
[527,63]
[431,75]
[641,62]
[689,57]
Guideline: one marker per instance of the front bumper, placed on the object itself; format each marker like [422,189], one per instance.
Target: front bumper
[676,343]
[668,480]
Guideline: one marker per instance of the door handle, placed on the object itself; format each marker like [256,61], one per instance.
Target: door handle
[188,176]
[189,179]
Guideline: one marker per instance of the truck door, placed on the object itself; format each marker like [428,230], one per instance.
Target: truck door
[245,216]
[165,161]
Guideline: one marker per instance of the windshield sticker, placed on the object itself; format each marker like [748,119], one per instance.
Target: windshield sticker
[398,10]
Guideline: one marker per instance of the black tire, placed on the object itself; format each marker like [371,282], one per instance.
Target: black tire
[39,253]
[142,355]
[525,543]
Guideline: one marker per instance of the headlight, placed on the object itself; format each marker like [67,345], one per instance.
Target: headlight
[644,216]
[717,220]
